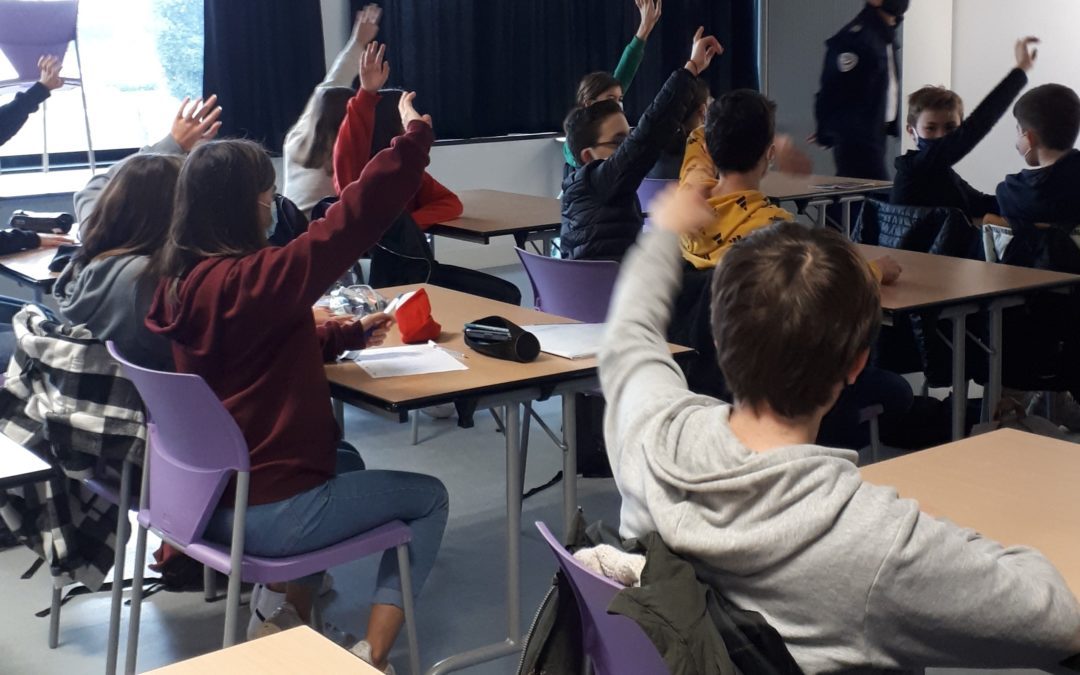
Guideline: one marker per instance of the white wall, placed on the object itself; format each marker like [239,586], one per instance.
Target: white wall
[984,32]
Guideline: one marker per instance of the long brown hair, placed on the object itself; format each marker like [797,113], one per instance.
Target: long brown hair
[217,206]
[132,215]
[328,108]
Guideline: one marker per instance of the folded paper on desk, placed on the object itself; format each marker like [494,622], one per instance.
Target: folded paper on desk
[403,361]
[569,340]
[844,186]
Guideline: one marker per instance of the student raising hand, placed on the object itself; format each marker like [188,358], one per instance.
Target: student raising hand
[650,15]
[196,122]
[681,212]
[703,51]
[50,72]
[408,112]
[1026,53]
[374,71]
[367,24]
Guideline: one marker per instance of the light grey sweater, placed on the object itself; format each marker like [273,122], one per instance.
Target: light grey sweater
[853,577]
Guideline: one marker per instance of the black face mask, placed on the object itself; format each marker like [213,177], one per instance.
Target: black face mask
[895,8]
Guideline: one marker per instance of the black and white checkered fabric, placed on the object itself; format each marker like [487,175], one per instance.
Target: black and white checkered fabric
[65,398]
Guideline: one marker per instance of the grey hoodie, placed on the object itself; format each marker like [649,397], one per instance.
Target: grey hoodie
[853,577]
[111,297]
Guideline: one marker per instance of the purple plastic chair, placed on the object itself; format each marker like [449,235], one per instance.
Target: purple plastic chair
[613,643]
[577,289]
[195,448]
[649,188]
[30,30]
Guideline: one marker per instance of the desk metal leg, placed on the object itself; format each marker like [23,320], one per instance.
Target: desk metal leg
[511,644]
[845,206]
[569,425]
[821,212]
[992,395]
[959,376]
[123,508]
[339,413]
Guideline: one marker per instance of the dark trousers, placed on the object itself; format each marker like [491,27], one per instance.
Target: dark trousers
[841,428]
[861,159]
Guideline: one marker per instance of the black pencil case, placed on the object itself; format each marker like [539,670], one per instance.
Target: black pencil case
[42,223]
[522,346]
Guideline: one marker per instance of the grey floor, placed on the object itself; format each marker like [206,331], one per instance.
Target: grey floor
[462,604]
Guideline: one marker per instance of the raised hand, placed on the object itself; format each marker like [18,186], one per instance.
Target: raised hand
[1026,53]
[50,72]
[789,159]
[374,71]
[703,51]
[650,14]
[408,112]
[367,24]
[196,122]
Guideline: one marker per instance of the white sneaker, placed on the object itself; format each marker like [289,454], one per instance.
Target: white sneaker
[363,651]
[263,603]
[284,618]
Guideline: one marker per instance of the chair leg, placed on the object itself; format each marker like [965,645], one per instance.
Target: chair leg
[209,582]
[131,656]
[86,112]
[54,616]
[875,439]
[316,614]
[404,571]
[122,523]
[44,136]
[525,422]
[415,427]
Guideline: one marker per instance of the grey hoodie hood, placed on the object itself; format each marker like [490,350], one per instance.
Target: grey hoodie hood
[111,296]
[759,508]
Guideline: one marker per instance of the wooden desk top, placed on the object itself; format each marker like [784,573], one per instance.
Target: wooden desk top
[781,187]
[31,266]
[485,374]
[300,650]
[491,213]
[19,466]
[1016,488]
[936,280]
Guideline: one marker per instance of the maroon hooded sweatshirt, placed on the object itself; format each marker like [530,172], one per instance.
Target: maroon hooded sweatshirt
[244,325]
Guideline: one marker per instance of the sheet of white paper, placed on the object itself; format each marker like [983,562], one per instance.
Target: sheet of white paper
[407,360]
[569,340]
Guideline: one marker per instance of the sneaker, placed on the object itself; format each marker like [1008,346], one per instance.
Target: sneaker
[263,603]
[362,650]
[439,412]
[284,618]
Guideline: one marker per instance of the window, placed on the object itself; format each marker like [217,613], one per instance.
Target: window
[139,59]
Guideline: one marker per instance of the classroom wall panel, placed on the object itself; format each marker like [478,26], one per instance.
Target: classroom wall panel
[983,35]
[927,55]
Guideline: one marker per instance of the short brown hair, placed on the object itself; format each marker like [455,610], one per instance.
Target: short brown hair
[933,98]
[592,85]
[1052,111]
[793,307]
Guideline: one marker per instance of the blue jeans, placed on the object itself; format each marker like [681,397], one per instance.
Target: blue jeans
[349,504]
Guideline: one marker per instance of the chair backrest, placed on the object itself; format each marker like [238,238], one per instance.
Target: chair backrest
[614,644]
[195,447]
[649,188]
[943,231]
[29,30]
[577,289]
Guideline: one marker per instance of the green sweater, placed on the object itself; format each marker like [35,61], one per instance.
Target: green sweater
[624,73]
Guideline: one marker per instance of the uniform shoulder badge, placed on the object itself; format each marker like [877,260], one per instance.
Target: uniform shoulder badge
[855,27]
[847,61]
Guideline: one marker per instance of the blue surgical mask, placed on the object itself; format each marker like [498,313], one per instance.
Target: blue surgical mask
[273,218]
[923,144]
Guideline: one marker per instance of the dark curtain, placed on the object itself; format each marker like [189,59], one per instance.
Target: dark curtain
[262,59]
[493,67]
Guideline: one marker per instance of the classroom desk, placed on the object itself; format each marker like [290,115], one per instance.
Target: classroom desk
[299,650]
[958,288]
[806,190]
[30,268]
[1011,486]
[492,213]
[494,383]
[19,466]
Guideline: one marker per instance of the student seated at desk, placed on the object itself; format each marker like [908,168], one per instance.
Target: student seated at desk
[239,314]
[403,255]
[935,121]
[601,216]
[727,161]
[851,576]
[604,86]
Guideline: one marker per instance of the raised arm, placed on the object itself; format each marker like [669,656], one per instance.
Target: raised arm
[352,149]
[14,115]
[634,53]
